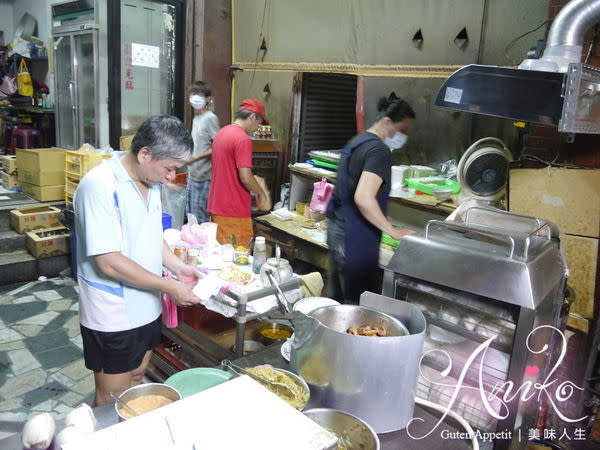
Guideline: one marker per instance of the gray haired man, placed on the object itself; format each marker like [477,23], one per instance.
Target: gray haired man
[121,253]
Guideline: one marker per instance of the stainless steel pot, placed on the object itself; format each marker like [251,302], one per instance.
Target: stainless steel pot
[373,378]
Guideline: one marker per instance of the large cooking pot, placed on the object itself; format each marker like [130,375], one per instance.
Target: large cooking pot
[372,377]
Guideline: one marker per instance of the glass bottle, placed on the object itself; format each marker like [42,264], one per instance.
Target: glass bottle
[260,254]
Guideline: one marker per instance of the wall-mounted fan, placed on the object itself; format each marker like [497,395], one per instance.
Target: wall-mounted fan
[483,170]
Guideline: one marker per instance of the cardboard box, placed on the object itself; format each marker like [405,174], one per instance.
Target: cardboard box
[49,242]
[9,181]
[9,164]
[582,259]
[44,193]
[567,197]
[41,166]
[125,142]
[33,217]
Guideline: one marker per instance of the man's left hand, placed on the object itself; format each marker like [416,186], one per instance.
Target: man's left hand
[188,275]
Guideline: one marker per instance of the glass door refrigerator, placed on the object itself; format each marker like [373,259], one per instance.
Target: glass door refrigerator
[76,76]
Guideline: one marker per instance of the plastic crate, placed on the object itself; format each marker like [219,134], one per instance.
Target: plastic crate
[78,163]
[428,184]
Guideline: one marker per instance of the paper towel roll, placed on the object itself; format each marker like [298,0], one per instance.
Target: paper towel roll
[398,176]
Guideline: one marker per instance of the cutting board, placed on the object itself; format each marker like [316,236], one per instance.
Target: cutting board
[238,414]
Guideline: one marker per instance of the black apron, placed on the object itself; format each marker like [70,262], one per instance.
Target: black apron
[361,238]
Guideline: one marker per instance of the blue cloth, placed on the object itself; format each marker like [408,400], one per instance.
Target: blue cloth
[197,198]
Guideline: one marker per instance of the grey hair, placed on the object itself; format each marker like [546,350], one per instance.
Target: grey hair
[243,114]
[166,137]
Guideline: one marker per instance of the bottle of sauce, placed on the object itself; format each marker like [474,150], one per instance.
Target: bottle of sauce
[260,254]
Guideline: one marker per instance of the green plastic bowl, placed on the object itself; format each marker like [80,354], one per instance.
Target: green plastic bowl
[191,381]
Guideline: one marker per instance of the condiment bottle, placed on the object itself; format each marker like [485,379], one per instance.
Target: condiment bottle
[260,254]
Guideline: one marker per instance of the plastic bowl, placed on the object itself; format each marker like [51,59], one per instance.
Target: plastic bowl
[146,389]
[442,194]
[354,432]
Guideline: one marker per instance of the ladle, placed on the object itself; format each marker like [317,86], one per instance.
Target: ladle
[123,404]
[278,388]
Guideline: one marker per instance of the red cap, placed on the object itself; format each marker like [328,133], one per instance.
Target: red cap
[251,104]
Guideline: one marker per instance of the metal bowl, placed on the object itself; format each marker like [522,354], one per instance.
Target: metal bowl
[268,326]
[442,194]
[299,381]
[342,317]
[355,432]
[146,389]
[308,304]
[250,346]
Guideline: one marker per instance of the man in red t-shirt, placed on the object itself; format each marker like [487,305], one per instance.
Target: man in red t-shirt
[229,200]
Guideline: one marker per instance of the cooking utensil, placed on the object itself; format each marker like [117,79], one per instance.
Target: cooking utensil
[274,386]
[123,404]
[277,254]
[281,301]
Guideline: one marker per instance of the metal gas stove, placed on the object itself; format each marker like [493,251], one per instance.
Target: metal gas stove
[484,281]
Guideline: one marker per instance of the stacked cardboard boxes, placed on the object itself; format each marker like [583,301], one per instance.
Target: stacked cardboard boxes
[8,174]
[45,234]
[42,172]
[569,198]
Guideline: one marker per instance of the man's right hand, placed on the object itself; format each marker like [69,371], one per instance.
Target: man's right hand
[182,294]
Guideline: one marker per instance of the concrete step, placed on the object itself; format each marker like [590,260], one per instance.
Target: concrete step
[20,266]
[17,266]
[10,241]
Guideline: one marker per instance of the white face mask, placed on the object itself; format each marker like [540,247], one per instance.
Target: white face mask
[197,101]
[397,141]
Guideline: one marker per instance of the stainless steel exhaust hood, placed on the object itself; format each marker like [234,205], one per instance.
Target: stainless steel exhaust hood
[556,90]
[569,101]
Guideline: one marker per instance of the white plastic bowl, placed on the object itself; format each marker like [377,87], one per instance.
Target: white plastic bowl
[442,194]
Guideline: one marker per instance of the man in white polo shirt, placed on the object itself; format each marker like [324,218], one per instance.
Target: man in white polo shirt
[121,254]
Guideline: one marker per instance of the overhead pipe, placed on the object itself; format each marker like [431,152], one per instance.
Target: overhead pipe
[565,39]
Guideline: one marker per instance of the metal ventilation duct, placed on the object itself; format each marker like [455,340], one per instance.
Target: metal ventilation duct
[565,38]
[544,93]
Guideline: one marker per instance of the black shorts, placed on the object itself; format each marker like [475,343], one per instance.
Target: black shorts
[119,351]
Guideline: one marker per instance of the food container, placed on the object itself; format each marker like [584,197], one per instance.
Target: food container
[250,346]
[353,432]
[271,332]
[442,194]
[281,273]
[241,255]
[302,385]
[371,377]
[308,304]
[142,390]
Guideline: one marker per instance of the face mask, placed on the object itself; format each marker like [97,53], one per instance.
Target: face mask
[197,101]
[397,141]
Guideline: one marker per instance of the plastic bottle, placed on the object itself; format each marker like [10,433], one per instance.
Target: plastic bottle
[260,254]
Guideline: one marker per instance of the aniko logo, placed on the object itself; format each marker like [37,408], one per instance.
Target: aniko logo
[505,392]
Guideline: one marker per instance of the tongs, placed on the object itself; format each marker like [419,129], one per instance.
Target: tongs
[273,386]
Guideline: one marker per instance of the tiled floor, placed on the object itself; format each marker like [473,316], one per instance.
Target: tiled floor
[41,361]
